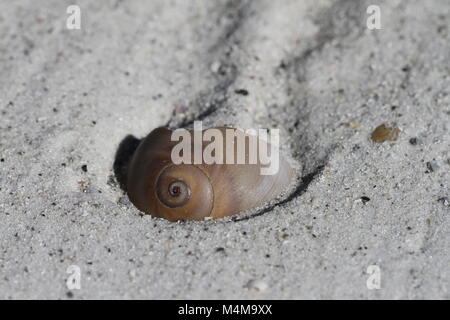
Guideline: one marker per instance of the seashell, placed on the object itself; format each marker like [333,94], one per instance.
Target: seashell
[158,186]
[384,133]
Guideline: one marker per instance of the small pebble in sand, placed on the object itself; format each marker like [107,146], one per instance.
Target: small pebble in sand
[431,166]
[257,285]
[365,199]
[124,201]
[241,92]
[444,201]
[384,133]
[215,67]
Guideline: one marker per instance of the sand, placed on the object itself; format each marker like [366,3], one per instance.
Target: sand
[311,68]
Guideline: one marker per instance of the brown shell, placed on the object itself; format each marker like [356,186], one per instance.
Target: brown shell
[216,190]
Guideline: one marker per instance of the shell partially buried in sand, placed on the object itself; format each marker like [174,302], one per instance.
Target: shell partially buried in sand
[158,186]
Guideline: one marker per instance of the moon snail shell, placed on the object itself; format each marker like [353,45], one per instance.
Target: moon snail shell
[157,186]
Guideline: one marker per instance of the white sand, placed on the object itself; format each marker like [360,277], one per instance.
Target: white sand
[312,69]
